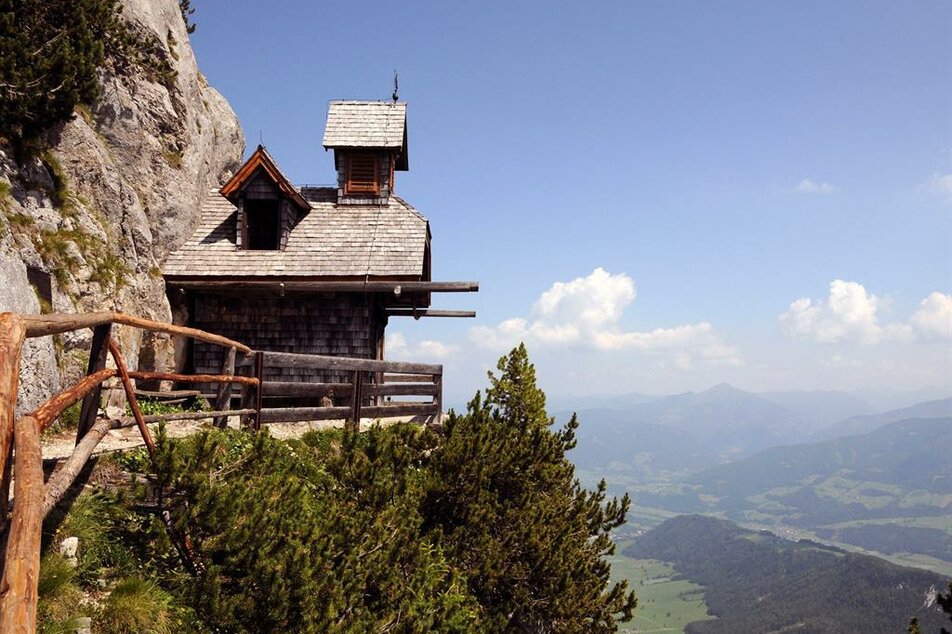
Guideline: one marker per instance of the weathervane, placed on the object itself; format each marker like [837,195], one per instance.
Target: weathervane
[396,87]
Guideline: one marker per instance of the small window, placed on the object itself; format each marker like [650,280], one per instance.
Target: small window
[362,174]
[263,224]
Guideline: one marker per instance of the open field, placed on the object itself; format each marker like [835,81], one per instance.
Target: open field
[664,605]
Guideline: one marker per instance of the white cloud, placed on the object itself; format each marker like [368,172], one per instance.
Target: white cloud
[586,311]
[851,313]
[398,348]
[940,185]
[807,186]
[933,319]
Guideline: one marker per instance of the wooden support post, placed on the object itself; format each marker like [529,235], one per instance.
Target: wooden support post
[247,396]
[356,400]
[438,400]
[18,590]
[131,396]
[97,362]
[12,334]
[223,398]
[259,391]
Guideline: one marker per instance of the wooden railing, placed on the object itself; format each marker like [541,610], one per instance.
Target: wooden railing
[368,394]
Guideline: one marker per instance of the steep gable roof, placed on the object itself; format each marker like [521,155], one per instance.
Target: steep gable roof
[260,159]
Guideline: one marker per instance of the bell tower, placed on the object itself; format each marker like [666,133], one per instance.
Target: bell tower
[369,139]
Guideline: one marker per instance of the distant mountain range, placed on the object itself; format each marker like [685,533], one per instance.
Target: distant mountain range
[871,422]
[757,582]
[673,436]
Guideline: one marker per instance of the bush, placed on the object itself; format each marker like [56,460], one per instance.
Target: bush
[135,606]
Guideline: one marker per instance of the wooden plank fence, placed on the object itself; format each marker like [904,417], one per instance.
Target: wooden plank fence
[370,393]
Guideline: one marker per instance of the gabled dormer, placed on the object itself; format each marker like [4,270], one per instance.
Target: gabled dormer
[369,139]
[268,204]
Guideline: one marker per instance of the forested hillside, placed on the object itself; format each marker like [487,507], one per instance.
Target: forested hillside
[756,582]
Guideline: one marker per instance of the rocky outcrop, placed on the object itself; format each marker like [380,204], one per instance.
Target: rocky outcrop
[119,189]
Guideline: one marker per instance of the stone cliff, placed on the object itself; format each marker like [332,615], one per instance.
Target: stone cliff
[85,225]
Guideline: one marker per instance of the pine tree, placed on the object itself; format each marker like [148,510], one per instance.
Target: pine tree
[50,51]
[305,536]
[529,539]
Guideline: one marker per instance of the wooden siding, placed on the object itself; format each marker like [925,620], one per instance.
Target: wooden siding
[341,324]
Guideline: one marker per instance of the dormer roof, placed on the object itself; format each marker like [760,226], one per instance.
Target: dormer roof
[368,125]
[261,159]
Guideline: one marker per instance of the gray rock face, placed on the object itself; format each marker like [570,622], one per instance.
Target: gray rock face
[120,189]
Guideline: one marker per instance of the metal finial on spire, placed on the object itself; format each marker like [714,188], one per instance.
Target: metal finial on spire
[396,87]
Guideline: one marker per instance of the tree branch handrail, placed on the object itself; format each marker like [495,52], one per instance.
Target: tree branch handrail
[42,325]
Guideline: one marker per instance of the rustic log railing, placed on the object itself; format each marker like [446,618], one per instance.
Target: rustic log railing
[368,393]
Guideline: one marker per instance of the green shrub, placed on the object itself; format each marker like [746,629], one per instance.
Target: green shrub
[135,606]
[60,598]
[102,552]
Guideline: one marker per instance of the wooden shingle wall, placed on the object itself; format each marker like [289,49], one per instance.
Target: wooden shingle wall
[341,324]
[384,159]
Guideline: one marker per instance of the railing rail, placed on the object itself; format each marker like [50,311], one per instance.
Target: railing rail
[368,393]
[364,393]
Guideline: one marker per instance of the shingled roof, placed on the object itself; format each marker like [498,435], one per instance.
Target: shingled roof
[366,124]
[328,241]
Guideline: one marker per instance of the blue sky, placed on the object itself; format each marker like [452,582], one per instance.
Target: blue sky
[686,171]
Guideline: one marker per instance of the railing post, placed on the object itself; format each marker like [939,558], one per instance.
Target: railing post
[438,399]
[97,361]
[131,396]
[247,394]
[223,398]
[12,334]
[19,597]
[356,400]
[259,392]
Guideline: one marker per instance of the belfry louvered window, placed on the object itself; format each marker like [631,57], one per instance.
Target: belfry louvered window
[362,174]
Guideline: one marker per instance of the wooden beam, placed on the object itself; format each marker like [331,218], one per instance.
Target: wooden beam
[49,411]
[299,414]
[131,396]
[355,286]
[18,590]
[65,475]
[97,361]
[324,362]
[12,334]
[428,312]
[409,378]
[438,401]
[295,389]
[192,378]
[41,325]
[223,398]
[259,394]
[402,389]
[356,400]
[126,421]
